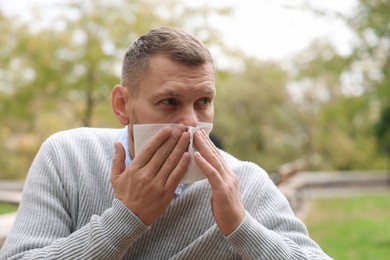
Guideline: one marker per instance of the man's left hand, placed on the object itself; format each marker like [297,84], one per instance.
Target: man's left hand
[226,203]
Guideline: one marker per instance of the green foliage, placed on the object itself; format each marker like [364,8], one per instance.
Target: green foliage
[339,124]
[349,142]
[371,15]
[371,24]
[352,228]
[252,114]
[382,128]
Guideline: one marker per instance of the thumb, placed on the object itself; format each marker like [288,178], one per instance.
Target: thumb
[118,162]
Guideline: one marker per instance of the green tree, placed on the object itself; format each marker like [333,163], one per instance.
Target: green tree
[253,114]
[338,114]
[371,23]
[346,93]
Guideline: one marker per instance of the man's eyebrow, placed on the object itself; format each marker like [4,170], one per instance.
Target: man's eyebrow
[168,92]
[165,93]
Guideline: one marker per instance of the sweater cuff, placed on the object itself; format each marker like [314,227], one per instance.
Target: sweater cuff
[122,226]
[251,237]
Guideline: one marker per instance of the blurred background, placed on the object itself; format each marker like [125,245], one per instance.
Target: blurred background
[296,80]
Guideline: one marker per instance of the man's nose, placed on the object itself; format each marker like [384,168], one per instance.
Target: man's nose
[189,117]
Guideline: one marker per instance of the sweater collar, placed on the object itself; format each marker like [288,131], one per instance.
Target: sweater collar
[124,140]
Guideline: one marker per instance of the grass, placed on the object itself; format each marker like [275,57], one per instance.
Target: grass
[7,207]
[352,228]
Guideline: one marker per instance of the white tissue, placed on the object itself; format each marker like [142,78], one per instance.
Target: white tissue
[143,132]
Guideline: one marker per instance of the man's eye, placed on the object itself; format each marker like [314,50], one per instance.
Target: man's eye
[204,101]
[169,102]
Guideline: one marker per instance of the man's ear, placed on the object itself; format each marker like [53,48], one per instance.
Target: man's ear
[118,102]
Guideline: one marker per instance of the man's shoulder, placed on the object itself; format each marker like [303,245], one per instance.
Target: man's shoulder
[242,167]
[86,132]
[251,177]
[84,135]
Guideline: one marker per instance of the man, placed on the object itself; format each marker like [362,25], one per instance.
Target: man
[83,200]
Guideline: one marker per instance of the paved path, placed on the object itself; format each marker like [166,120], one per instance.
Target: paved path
[6,185]
[347,184]
[303,187]
[10,196]
[6,221]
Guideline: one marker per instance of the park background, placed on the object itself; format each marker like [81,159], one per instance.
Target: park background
[294,80]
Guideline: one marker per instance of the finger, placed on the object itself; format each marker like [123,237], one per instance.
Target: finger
[174,157]
[164,151]
[208,150]
[151,147]
[207,139]
[208,170]
[118,162]
[177,174]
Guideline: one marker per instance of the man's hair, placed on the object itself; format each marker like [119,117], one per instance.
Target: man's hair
[175,44]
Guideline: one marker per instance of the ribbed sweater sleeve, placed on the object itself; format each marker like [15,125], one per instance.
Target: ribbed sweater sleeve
[254,241]
[46,226]
[270,230]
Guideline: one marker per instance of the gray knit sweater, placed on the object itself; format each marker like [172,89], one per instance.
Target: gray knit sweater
[69,211]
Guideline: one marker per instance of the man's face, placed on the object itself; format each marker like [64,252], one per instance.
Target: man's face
[172,93]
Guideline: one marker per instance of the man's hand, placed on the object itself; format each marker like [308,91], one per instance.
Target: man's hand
[147,186]
[226,203]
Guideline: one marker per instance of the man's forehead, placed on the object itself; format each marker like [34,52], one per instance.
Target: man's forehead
[208,89]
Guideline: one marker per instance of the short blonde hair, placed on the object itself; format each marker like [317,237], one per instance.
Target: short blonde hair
[175,44]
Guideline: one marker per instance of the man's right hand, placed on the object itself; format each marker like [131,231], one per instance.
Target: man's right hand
[147,186]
